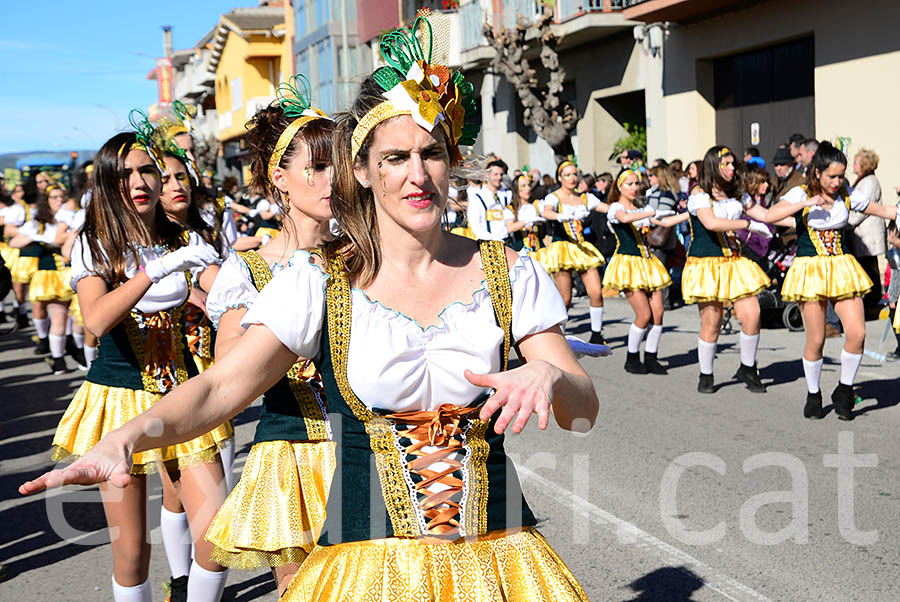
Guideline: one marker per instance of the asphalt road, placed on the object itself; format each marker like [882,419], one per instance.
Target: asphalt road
[674,496]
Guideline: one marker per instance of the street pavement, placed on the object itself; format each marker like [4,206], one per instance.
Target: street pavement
[673,496]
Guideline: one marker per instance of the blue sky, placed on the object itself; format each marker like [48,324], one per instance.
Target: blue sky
[71,71]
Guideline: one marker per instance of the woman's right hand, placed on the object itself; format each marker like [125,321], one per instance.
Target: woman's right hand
[109,460]
[191,256]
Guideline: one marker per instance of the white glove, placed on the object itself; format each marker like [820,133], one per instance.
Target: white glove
[191,256]
[561,217]
[48,237]
[661,213]
[760,228]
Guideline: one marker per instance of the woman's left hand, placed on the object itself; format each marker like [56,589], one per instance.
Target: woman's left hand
[525,390]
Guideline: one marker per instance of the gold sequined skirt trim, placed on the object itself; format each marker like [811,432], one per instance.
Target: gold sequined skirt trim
[275,513]
[49,285]
[500,566]
[98,409]
[721,279]
[633,272]
[825,277]
[23,269]
[566,256]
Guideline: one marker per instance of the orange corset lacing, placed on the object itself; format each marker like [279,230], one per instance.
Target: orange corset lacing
[159,348]
[438,428]
[193,328]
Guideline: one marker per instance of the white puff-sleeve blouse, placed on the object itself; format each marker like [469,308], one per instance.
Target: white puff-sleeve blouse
[393,362]
[233,287]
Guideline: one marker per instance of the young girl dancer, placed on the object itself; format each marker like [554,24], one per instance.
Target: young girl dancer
[636,270]
[288,471]
[130,269]
[429,505]
[569,252]
[824,271]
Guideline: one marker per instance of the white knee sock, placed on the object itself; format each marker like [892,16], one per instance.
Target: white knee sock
[596,319]
[90,354]
[69,326]
[749,343]
[635,336]
[137,593]
[205,586]
[176,536]
[227,455]
[57,345]
[706,353]
[812,371]
[78,337]
[41,327]
[653,338]
[849,365]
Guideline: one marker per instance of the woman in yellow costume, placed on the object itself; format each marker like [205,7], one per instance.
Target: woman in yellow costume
[824,270]
[715,272]
[48,292]
[527,228]
[636,270]
[130,268]
[286,478]
[569,252]
[22,262]
[442,517]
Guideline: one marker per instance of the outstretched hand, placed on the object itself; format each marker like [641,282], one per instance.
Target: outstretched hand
[526,390]
[103,463]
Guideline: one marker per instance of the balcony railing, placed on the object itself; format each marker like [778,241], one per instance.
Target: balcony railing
[567,9]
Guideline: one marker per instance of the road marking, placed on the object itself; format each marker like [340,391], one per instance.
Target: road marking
[728,587]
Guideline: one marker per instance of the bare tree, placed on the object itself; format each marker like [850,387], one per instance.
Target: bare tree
[543,111]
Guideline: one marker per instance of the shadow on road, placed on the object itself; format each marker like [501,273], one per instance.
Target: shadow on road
[668,584]
[251,589]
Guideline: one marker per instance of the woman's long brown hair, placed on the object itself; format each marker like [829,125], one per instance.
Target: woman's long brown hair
[112,228]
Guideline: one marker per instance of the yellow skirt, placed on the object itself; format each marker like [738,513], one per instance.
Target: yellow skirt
[49,285]
[8,254]
[825,277]
[23,269]
[566,256]
[75,310]
[501,566]
[722,279]
[97,409]
[632,272]
[896,321]
[275,513]
[467,232]
[270,232]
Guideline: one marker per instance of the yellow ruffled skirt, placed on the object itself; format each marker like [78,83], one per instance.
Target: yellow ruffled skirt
[896,321]
[23,269]
[633,272]
[8,254]
[722,279]
[75,310]
[501,566]
[97,409]
[49,285]
[275,513]
[467,232]
[825,277]
[566,256]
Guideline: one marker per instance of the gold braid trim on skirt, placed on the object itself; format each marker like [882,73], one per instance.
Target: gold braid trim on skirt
[275,513]
[632,272]
[501,566]
[98,409]
[823,277]
[721,279]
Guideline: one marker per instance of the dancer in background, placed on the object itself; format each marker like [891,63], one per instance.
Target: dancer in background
[527,228]
[825,271]
[569,252]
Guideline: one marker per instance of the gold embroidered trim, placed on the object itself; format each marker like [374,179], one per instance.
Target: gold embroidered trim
[476,522]
[831,238]
[496,273]
[316,427]
[388,461]
[254,559]
[638,239]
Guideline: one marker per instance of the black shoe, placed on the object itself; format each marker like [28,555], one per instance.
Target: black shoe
[813,407]
[842,398]
[71,348]
[78,357]
[652,364]
[22,320]
[633,364]
[894,355]
[58,365]
[597,338]
[749,375]
[706,384]
[42,347]
[177,589]
[2,317]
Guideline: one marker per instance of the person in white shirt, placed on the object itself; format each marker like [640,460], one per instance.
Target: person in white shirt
[485,210]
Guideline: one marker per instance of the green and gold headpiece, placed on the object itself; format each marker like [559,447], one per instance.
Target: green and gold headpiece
[143,131]
[294,98]
[417,82]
